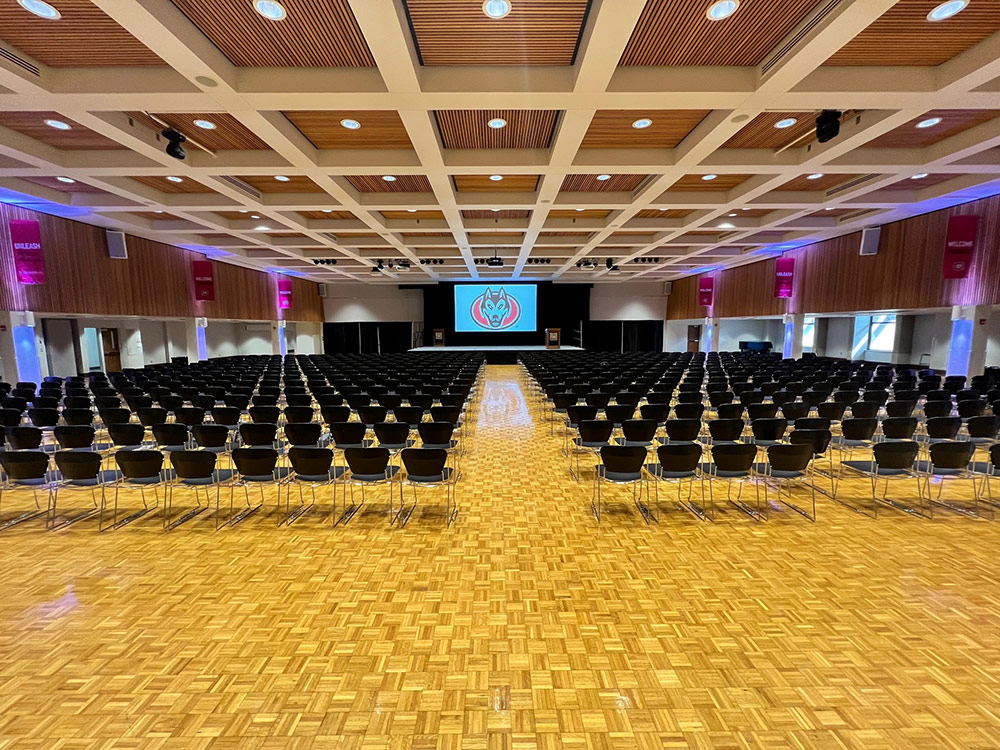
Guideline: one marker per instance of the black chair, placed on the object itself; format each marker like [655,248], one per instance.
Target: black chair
[23,438]
[141,470]
[768,432]
[394,436]
[730,411]
[410,415]
[899,428]
[195,470]
[733,462]
[680,464]
[259,435]
[427,467]
[348,435]
[25,470]
[368,467]
[312,467]
[44,419]
[78,417]
[436,435]
[682,430]
[983,430]
[213,438]
[689,411]
[855,434]
[762,411]
[656,412]
[725,430]
[890,461]
[189,416]
[255,467]
[788,465]
[638,432]
[593,435]
[77,471]
[621,465]
[371,415]
[265,414]
[170,436]
[304,434]
[941,429]
[74,437]
[950,461]
[299,414]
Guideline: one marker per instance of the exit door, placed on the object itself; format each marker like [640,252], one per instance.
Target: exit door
[112,350]
[694,338]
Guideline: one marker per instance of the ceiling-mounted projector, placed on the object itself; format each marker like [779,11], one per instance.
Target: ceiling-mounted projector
[494,262]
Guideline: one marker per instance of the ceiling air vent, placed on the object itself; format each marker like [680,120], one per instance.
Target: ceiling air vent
[20,62]
[859,214]
[852,184]
[801,32]
[242,186]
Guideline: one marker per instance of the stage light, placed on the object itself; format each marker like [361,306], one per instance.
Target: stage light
[827,125]
[174,141]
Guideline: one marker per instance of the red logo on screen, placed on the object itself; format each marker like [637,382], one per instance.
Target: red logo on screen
[495,310]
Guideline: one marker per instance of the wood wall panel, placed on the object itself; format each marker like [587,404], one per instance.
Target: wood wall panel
[682,304]
[155,281]
[747,291]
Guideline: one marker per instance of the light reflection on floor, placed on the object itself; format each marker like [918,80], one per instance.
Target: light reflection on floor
[503,405]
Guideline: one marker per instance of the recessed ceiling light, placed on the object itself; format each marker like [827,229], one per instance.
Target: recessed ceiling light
[815,176]
[708,177]
[732,214]
[243,211]
[262,228]
[495,210]
[641,123]
[58,124]
[786,123]
[327,210]
[67,180]
[727,225]
[270,9]
[930,122]
[947,9]
[158,212]
[722,10]
[920,176]
[254,216]
[281,178]
[603,177]
[388,178]
[205,124]
[581,209]
[40,9]
[496,8]
[497,122]
[172,178]
[744,209]
[411,210]
[350,124]
[828,208]
[496,177]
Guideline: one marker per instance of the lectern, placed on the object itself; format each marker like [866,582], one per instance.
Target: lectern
[438,337]
[552,338]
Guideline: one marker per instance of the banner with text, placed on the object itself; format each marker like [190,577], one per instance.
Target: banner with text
[29,262]
[784,277]
[706,290]
[284,294]
[960,246]
[204,280]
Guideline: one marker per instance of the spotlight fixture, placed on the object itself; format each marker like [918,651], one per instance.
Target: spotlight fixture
[496,8]
[376,269]
[947,10]
[174,141]
[58,124]
[243,211]
[614,270]
[388,178]
[815,176]
[350,124]
[204,124]
[496,177]
[40,9]
[786,123]
[254,216]
[497,122]
[609,264]
[642,123]
[721,10]
[930,122]
[920,176]
[281,178]
[380,266]
[731,215]
[270,9]
[67,180]
[495,262]
[175,178]
[709,177]
[827,125]
[603,177]
[325,262]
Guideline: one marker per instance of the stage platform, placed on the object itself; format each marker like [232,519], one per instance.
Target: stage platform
[496,355]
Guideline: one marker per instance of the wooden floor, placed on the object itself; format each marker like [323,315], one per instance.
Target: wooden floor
[523,625]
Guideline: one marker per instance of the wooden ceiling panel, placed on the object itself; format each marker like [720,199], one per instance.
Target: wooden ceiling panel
[572,213]
[904,36]
[586,183]
[294,184]
[75,187]
[323,216]
[820,184]
[761,133]
[229,134]
[832,213]
[536,32]
[481,183]
[911,184]
[166,186]
[84,37]
[467,128]
[417,215]
[722,182]
[677,33]
[500,214]
[380,129]
[154,216]
[669,213]
[77,138]
[953,121]
[612,128]
[314,34]
[406,183]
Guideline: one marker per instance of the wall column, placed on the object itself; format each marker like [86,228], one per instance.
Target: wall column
[969,337]
[277,338]
[21,350]
[712,331]
[792,344]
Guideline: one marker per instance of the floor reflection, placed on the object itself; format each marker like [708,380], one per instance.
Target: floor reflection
[503,405]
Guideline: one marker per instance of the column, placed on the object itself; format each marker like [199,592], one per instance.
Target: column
[278,338]
[792,344]
[20,358]
[712,331]
[969,337]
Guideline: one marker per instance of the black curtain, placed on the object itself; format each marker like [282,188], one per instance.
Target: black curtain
[369,338]
[341,338]
[395,337]
[623,336]
[366,338]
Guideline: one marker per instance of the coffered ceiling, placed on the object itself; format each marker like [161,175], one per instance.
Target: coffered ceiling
[424,133]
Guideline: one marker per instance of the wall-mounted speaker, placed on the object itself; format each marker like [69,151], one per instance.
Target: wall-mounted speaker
[26,318]
[869,240]
[201,322]
[668,287]
[322,290]
[116,245]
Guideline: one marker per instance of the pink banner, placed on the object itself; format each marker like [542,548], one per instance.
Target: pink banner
[284,294]
[960,246]
[29,261]
[706,290]
[204,280]
[784,277]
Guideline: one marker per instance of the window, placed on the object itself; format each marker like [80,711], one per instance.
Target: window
[808,334]
[882,333]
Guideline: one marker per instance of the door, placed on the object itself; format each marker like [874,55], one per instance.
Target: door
[694,338]
[112,350]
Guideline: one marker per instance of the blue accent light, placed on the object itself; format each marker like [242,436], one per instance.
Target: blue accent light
[961,347]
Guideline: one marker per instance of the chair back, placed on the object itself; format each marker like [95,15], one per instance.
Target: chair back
[74,436]
[189,416]
[44,417]
[252,462]
[726,430]
[656,412]
[446,414]
[899,428]
[819,439]
[856,428]
[623,459]
[367,461]
[995,457]
[575,413]
[23,437]
[679,456]
[265,414]
[831,410]
[595,430]
[225,415]
[369,415]
[984,427]
[769,429]
[169,433]
[392,433]
[943,428]
[210,435]
[348,433]
[790,457]
[411,415]
[435,433]
[618,413]
[639,430]
[424,463]
[152,415]
[730,411]
[955,455]
[25,465]
[78,417]
[794,410]
[896,455]
[77,465]
[193,464]
[971,408]
[299,414]
[139,464]
[735,457]
[937,409]
[900,408]
[310,461]
[10,417]
[689,411]
[682,430]
[258,433]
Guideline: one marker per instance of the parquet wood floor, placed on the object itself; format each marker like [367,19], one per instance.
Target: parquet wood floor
[523,626]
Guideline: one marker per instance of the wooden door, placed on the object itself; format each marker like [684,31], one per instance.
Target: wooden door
[112,350]
[694,338]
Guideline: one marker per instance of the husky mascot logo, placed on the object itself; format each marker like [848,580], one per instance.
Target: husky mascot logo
[495,310]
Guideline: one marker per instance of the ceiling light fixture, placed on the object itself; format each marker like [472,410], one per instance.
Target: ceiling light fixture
[254,216]
[642,123]
[270,9]
[174,141]
[786,123]
[732,214]
[496,8]
[172,178]
[744,209]
[581,209]
[350,124]
[262,228]
[603,177]
[709,177]
[721,10]
[40,9]
[496,177]
[920,176]
[815,176]
[243,211]
[947,10]
[328,210]
[67,180]
[58,124]
[388,178]
[281,178]
[204,124]
[495,210]
[497,122]
[828,208]
[158,211]
[411,210]
[727,225]
[930,122]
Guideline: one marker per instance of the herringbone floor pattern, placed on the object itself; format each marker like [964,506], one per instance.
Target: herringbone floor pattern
[524,625]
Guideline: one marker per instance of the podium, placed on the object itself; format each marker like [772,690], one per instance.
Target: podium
[438,337]
[553,338]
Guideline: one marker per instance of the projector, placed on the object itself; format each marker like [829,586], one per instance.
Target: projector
[494,262]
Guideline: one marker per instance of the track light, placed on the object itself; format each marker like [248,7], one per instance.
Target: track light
[828,125]
[174,141]
[609,264]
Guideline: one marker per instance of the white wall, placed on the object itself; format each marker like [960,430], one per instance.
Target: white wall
[60,346]
[253,342]
[154,341]
[675,334]
[839,335]
[221,339]
[131,347]
[638,301]
[353,303]
[734,330]
[176,340]
[993,339]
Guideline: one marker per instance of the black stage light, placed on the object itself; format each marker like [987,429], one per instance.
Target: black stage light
[174,141]
[827,125]
[608,263]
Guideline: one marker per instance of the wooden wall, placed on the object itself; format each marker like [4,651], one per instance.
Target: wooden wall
[155,281]
[831,276]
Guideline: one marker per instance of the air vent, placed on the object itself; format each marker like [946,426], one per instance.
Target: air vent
[793,40]
[859,214]
[242,186]
[852,184]
[20,62]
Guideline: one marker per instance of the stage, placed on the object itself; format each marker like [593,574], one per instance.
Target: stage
[496,355]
